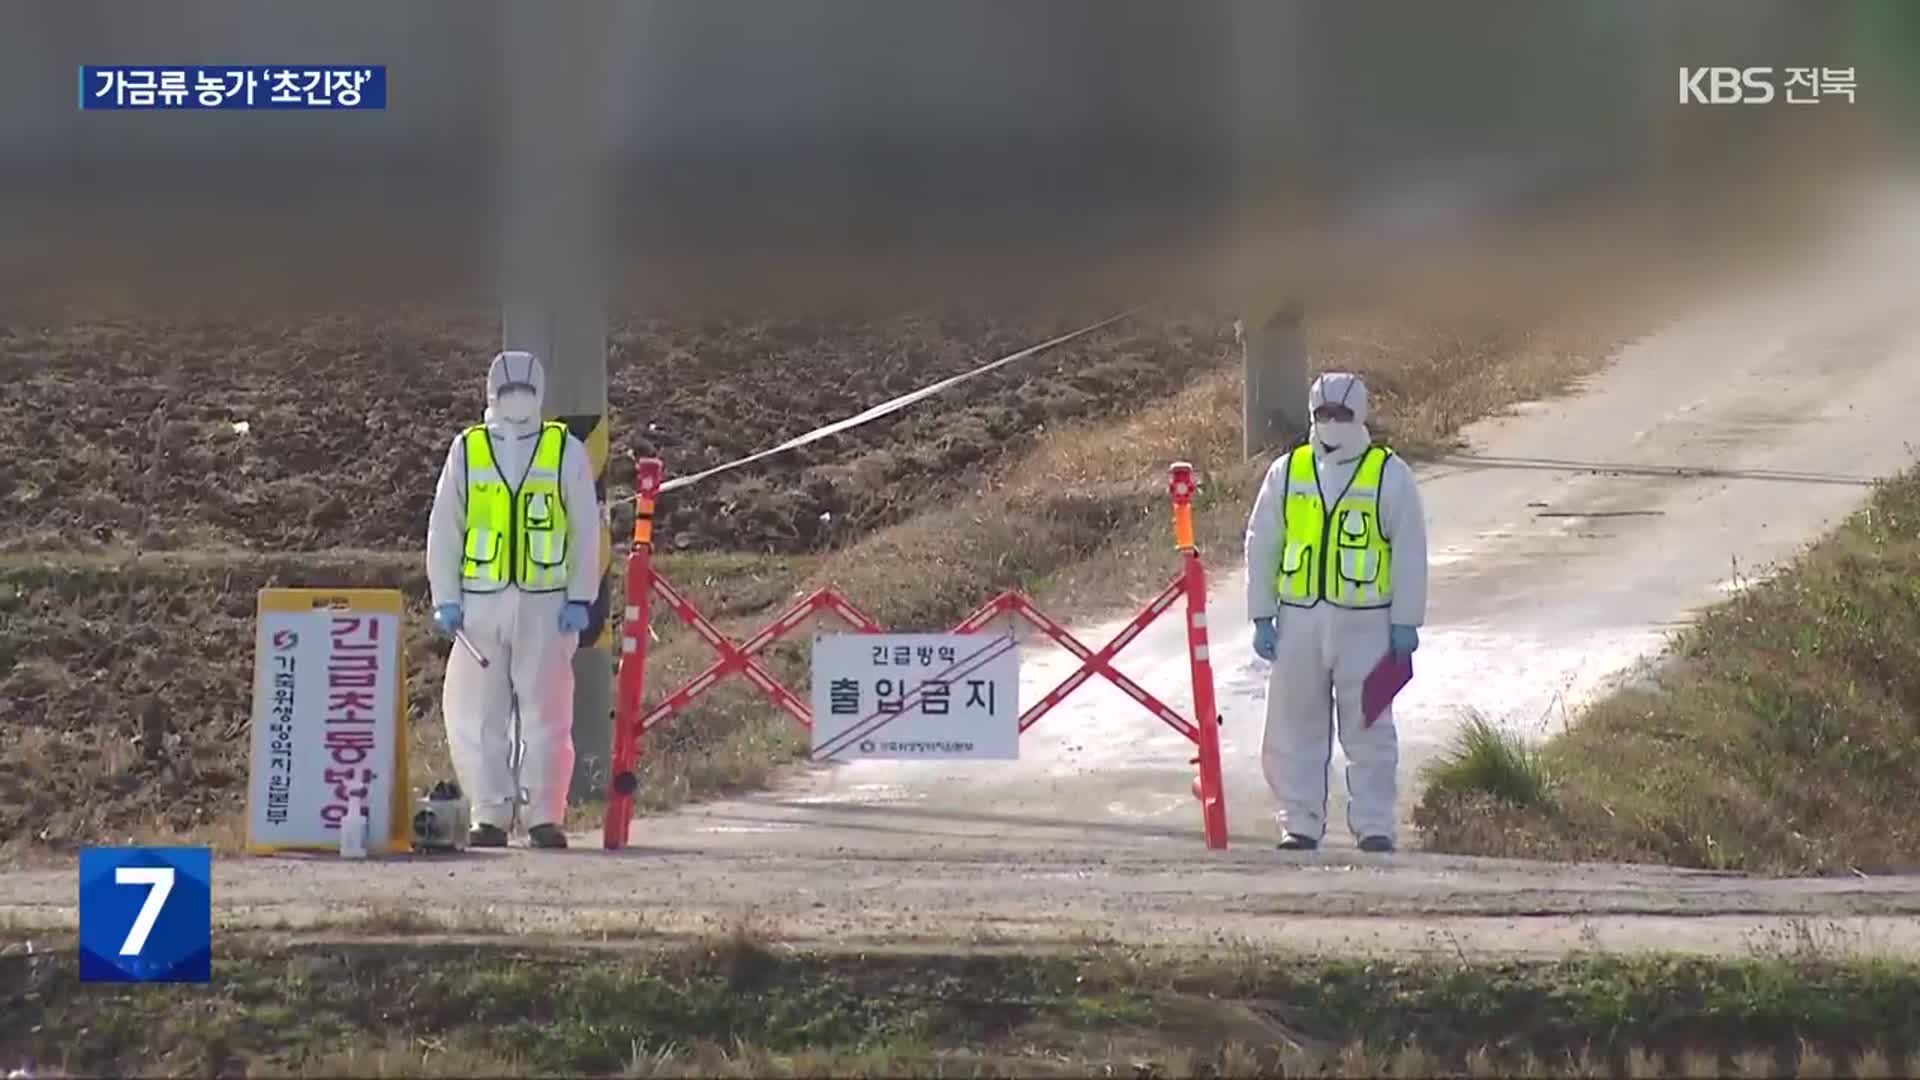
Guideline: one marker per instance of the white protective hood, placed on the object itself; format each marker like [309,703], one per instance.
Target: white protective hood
[515,367]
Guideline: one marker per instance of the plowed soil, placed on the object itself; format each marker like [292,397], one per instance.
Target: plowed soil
[128,689]
[302,436]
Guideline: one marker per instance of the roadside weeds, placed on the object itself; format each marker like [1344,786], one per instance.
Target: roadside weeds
[740,1005]
[1780,734]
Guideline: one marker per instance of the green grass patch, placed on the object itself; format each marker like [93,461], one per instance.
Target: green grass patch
[1489,760]
[1782,735]
[738,1007]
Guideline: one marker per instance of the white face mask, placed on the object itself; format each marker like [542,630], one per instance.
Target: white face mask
[516,407]
[1339,434]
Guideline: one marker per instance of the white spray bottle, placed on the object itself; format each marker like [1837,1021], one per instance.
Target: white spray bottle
[353,830]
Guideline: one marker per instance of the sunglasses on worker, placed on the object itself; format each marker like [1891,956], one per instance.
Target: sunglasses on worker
[1333,411]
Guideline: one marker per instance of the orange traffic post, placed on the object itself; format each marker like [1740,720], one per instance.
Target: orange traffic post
[630,691]
[1207,786]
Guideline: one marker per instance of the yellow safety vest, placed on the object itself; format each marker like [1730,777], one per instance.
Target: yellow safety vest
[1355,568]
[516,535]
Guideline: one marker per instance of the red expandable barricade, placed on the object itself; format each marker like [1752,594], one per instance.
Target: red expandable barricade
[632,720]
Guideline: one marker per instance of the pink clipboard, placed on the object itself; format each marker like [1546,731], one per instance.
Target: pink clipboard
[1383,682]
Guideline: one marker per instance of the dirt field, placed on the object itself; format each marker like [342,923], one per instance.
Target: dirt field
[304,435]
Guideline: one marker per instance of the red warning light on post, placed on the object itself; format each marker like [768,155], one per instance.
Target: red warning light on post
[648,473]
[1180,481]
[1180,486]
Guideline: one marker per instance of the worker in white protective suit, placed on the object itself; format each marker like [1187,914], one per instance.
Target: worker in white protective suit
[1336,577]
[513,561]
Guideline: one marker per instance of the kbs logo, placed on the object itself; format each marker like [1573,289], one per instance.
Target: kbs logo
[1758,86]
[1726,86]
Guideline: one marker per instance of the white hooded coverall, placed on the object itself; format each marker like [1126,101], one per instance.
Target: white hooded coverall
[517,631]
[1325,652]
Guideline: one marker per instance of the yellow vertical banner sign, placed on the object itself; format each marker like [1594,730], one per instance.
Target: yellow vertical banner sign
[329,720]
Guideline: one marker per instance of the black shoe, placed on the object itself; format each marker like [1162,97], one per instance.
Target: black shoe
[487,836]
[546,836]
[1376,844]
[1296,842]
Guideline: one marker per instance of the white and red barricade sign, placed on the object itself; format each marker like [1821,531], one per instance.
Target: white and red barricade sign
[973,637]
[916,697]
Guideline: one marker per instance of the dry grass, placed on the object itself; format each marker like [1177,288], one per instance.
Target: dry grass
[421,1057]
[432,1057]
[1782,735]
[1238,1059]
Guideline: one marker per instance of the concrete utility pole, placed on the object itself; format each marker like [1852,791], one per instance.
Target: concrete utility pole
[555,213]
[1272,118]
[1274,406]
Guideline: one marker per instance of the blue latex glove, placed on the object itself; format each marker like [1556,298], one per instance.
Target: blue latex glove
[1403,640]
[1266,639]
[574,617]
[449,618]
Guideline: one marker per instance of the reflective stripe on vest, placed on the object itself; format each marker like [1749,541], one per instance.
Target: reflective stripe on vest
[1355,568]
[516,535]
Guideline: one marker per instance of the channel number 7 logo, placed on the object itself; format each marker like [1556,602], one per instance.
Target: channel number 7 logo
[146,914]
